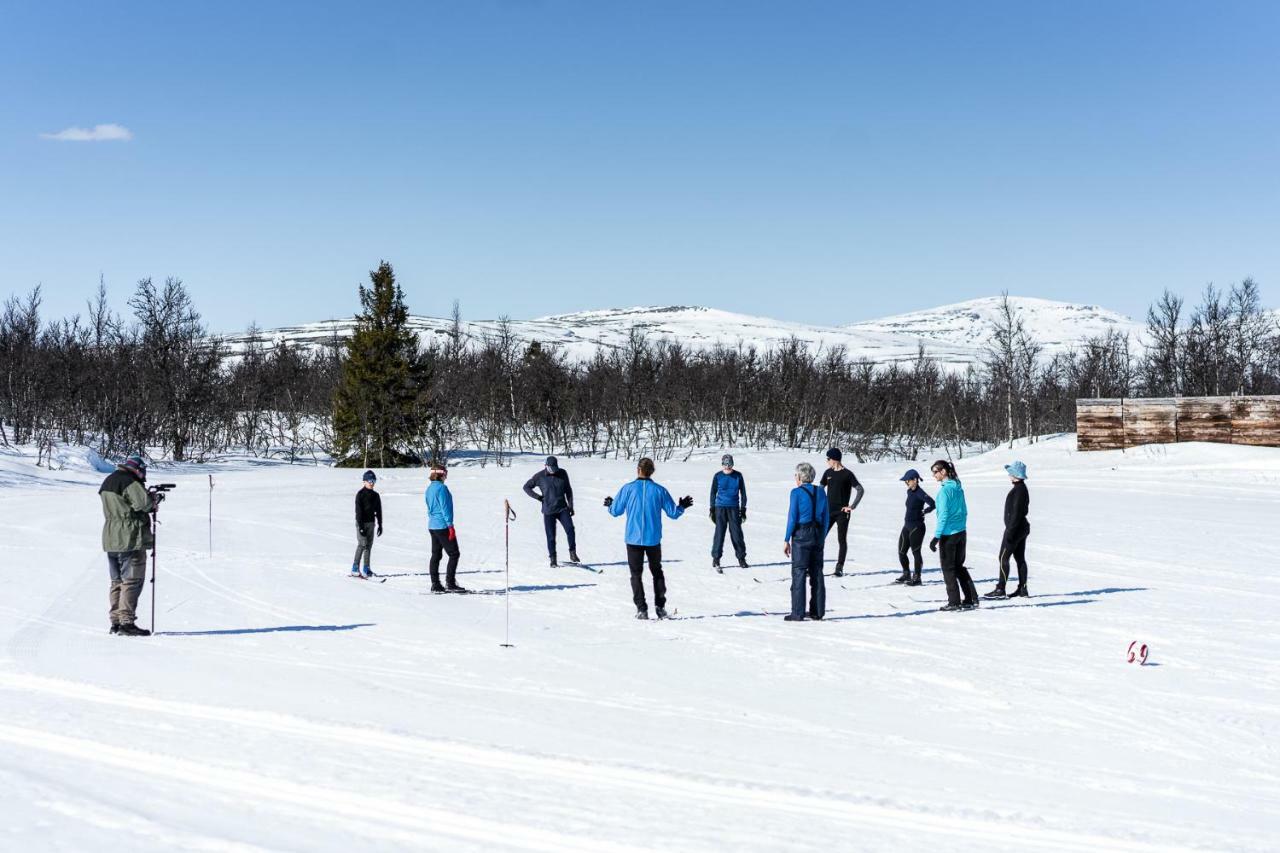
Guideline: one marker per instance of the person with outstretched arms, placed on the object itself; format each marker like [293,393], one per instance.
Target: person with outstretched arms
[728,510]
[644,502]
[550,487]
[841,485]
[444,538]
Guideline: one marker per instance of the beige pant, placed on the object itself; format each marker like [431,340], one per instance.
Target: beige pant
[128,572]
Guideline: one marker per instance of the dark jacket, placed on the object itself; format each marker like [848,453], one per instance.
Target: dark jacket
[840,485]
[728,490]
[368,507]
[556,493]
[1016,505]
[126,513]
[918,503]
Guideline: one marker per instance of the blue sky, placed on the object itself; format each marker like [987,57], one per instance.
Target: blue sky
[823,162]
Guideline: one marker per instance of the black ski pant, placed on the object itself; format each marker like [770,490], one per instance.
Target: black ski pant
[636,555]
[441,544]
[807,544]
[727,518]
[840,524]
[910,539]
[951,550]
[1014,545]
[566,520]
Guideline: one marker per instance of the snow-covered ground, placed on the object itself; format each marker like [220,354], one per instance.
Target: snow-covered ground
[287,707]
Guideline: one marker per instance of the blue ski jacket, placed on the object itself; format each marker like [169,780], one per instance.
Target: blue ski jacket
[729,490]
[953,514]
[644,502]
[808,506]
[439,506]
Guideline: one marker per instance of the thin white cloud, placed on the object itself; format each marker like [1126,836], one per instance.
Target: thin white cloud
[97,133]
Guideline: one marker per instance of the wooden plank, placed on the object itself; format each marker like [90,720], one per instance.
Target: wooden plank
[1103,424]
[1204,419]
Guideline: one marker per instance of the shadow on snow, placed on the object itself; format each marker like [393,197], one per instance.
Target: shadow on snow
[279,628]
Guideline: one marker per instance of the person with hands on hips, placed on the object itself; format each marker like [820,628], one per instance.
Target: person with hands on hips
[556,496]
[840,483]
[444,538]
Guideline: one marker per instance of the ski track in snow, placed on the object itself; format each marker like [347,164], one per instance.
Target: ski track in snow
[285,707]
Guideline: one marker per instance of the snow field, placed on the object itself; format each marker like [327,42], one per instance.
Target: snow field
[288,707]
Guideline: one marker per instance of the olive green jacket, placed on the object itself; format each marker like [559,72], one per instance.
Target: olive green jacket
[126,508]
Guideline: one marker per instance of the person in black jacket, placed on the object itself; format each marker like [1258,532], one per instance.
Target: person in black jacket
[912,536]
[1016,529]
[556,496]
[840,483]
[368,520]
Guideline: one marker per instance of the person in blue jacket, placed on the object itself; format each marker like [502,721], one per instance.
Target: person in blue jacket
[444,539]
[643,502]
[807,523]
[949,538]
[912,536]
[728,511]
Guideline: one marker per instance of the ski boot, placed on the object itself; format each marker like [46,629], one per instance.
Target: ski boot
[742,563]
[128,629]
[839,571]
[915,579]
[997,593]
[555,564]
[903,578]
[969,605]
[790,618]
[661,613]
[437,588]
[573,557]
[454,587]
[366,574]
[951,608]
[115,629]
[1020,592]
[355,570]
[642,614]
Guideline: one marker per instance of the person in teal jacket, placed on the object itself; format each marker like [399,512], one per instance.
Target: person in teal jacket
[950,537]
[444,539]
[643,502]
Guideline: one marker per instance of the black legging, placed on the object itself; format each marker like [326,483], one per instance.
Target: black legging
[910,539]
[1014,545]
[442,544]
[951,551]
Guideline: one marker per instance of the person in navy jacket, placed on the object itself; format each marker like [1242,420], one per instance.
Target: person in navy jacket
[644,502]
[728,511]
[912,536]
[807,522]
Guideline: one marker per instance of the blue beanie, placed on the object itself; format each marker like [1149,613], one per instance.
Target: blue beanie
[370,477]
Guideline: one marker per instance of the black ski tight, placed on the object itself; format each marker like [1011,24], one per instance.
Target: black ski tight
[951,550]
[441,544]
[1014,545]
[910,539]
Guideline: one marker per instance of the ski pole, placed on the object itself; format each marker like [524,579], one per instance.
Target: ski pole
[210,516]
[154,544]
[508,516]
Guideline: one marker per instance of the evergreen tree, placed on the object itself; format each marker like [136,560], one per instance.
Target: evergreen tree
[378,405]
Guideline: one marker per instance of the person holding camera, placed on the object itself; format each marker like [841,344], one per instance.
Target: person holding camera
[643,502]
[368,524]
[126,536]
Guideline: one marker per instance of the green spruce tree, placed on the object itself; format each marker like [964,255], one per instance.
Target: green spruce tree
[380,398]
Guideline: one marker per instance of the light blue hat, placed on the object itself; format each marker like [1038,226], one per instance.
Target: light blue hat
[1017,469]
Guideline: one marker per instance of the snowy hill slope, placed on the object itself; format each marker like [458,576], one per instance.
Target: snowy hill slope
[287,707]
[954,335]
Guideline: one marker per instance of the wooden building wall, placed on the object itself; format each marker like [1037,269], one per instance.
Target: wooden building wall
[1110,424]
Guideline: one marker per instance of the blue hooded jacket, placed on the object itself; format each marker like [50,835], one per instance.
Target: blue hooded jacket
[726,488]
[952,513]
[439,506]
[644,502]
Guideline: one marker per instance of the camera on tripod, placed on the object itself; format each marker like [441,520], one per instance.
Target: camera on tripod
[158,491]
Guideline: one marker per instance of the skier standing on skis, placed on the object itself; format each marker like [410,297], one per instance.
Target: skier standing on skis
[368,524]
[126,536]
[444,539]
[643,502]
[950,537]
[807,521]
[1016,530]
[556,496]
[728,511]
[840,483]
[912,536]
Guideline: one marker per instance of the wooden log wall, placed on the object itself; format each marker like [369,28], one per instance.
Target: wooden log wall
[1104,424]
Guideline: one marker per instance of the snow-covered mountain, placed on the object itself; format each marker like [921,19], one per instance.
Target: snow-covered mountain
[955,335]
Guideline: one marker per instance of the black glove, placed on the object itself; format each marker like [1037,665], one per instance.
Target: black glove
[379,529]
[608,501]
[742,515]
[571,512]
[685,502]
[711,513]
[933,544]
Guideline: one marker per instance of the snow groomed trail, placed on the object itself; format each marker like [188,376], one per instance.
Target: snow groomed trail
[287,707]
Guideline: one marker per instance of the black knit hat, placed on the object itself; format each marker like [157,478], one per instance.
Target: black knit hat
[835,454]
